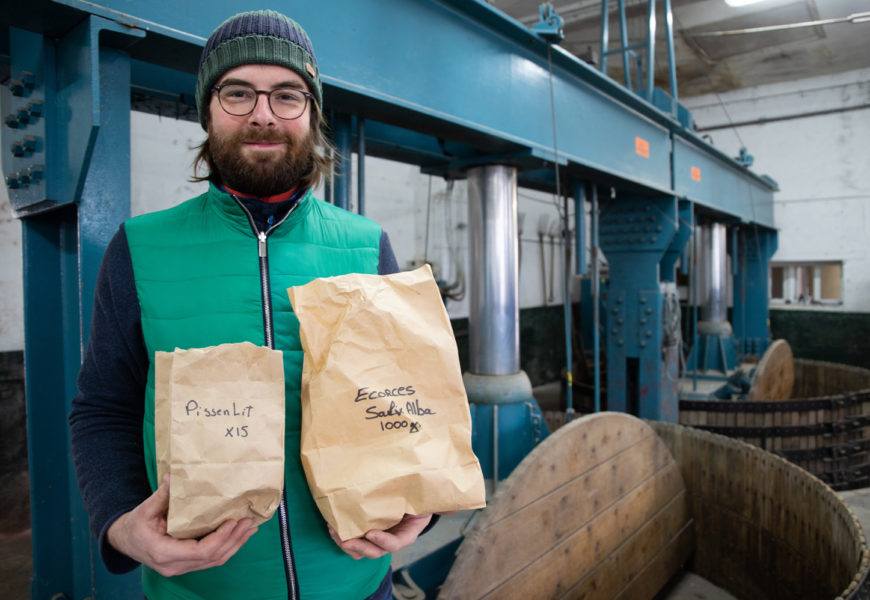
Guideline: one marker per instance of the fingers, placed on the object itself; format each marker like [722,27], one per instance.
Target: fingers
[175,557]
[376,543]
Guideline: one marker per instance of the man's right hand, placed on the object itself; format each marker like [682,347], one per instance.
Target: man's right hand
[141,535]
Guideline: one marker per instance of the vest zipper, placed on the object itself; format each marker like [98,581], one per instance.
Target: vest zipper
[268,328]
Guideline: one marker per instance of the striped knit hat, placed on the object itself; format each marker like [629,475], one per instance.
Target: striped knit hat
[256,37]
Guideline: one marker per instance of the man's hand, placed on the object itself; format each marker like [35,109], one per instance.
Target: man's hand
[141,535]
[375,544]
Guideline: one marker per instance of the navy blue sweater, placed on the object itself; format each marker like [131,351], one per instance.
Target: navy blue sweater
[106,417]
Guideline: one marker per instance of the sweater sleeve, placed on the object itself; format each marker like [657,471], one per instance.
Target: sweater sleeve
[106,417]
[387,264]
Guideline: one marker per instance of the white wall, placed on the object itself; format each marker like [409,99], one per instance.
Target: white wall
[821,162]
[11,300]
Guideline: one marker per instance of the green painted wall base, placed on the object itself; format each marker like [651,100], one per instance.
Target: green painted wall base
[837,337]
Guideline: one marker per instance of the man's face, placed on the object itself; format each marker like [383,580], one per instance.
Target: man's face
[260,154]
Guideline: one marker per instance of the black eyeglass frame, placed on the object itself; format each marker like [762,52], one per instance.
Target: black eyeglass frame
[309,97]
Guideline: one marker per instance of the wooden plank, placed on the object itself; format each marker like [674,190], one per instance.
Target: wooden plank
[598,560]
[530,532]
[662,567]
[566,507]
[565,455]
[774,376]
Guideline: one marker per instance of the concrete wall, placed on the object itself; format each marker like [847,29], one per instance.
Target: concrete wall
[811,137]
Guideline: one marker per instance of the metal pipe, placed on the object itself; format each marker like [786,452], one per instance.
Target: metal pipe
[341,187]
[605,33]
[713,237]
[361,166]
[595,301]
[695,306]
[672,66]
[494,339]
[494,446]
[650,48]
[566,313]
[580,228]
[623,33]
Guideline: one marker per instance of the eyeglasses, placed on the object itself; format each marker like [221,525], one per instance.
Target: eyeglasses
[240,100]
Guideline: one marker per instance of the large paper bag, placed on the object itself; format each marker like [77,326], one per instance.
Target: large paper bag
[219,433]
[386,428]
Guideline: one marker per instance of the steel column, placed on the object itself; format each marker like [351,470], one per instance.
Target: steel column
[66,229]
[494,337]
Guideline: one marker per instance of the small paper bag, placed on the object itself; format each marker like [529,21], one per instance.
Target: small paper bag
[219,433]
[386,428]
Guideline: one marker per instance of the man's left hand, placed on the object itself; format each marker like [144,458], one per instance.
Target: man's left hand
[375,543]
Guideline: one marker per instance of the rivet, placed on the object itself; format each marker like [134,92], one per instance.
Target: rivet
[643,344]
[12,182]
[643,299]
[614,331]
[619,342]
[648,333]
[643,320]
[648,310]
[11,121]
[620,320]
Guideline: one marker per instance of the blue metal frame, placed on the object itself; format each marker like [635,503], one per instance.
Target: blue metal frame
[481,94]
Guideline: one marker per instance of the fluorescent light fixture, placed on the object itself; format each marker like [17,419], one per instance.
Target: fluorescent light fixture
[742,2]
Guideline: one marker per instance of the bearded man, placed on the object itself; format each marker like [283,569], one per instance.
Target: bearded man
[214,270]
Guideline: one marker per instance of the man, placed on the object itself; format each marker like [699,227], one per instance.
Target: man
[214,270]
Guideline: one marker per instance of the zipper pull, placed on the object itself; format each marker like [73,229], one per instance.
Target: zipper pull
[262,243]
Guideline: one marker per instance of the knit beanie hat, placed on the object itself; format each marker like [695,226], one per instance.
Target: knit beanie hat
[256,37]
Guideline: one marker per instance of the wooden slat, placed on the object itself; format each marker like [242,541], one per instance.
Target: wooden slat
[568,507]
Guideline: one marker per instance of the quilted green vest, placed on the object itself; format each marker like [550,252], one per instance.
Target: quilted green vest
[199,284]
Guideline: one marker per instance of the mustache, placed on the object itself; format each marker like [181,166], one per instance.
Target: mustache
[266,136]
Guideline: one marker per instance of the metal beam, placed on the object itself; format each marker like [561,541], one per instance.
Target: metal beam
[484,84]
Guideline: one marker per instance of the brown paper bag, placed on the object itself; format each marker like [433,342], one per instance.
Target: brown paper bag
[219,433]
[386,428]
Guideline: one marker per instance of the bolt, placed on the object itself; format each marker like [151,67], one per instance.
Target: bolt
[619,299]
[643,344]
[615,311]
[29,79]
[35,172]
[643,299]
[23,116]
[620,320]
[34,107]
[11,121]
[614,331]
[648,310]
[24,177]
[31,143]
[653,239]
[619,342]
[16,86]
[12,182]
[648,333]
[18,148]
[643,320]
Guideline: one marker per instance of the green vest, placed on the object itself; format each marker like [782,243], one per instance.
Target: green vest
[198,280]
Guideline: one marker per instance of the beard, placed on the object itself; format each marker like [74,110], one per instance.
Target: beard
[264,175]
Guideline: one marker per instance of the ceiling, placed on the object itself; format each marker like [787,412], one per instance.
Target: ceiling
[719,63]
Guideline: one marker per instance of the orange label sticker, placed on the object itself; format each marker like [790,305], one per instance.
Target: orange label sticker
[641,146]
[696,173]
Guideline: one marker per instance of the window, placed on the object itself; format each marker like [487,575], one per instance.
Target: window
[806,283]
